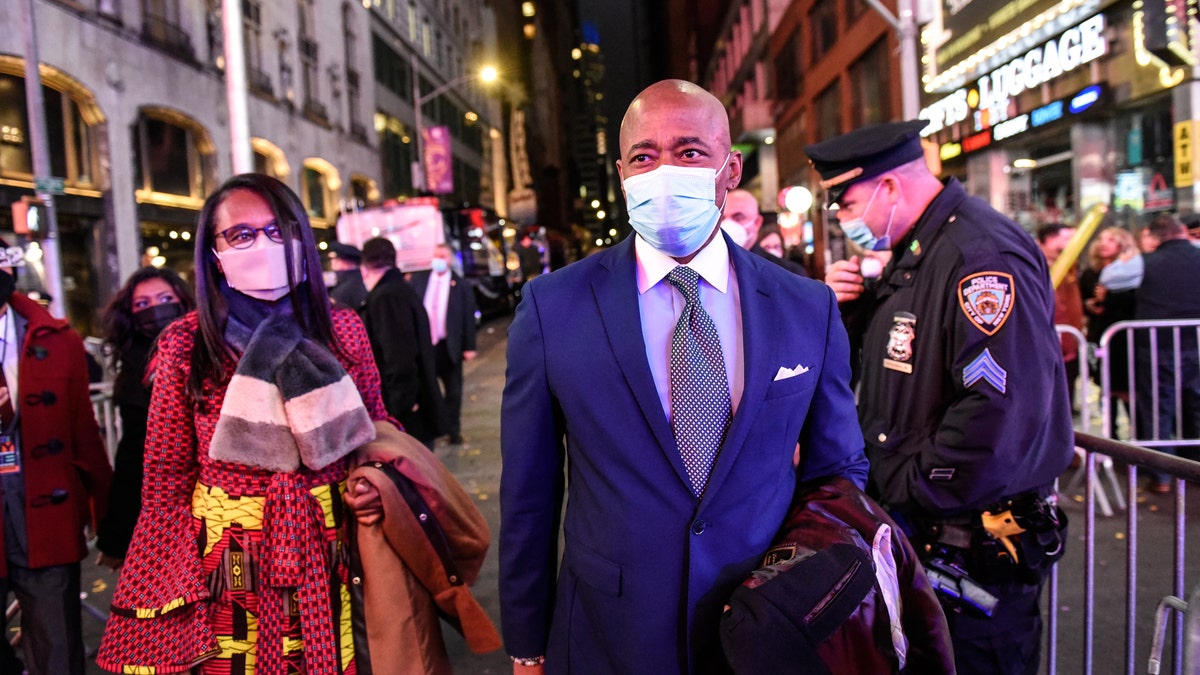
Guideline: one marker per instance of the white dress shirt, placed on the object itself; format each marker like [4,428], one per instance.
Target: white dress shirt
[661,305]
[437,300]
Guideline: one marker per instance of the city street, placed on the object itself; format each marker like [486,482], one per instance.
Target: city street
[477,465]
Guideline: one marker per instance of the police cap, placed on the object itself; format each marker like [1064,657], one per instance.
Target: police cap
[864,153]
[345,252]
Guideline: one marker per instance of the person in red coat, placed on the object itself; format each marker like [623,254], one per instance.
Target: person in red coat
[54,477]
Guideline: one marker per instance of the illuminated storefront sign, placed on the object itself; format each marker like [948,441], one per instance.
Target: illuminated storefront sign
[1020,123]
[1084,99]
[1077,46]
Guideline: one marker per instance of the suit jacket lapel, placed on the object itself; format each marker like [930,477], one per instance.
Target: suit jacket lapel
[754,293]
[616,296]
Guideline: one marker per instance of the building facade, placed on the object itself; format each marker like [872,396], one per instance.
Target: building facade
[137,123]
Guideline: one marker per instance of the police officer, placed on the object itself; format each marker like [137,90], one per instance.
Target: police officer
[963,400]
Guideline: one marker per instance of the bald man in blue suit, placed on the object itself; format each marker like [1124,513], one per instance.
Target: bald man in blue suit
[650,556]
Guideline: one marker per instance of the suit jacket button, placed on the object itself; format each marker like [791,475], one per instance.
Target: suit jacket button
[699,526]
[883,438]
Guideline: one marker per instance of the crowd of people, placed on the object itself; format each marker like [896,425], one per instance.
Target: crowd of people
[712,463]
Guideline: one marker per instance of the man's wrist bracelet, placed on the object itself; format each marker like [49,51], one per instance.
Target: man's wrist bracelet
[528,661]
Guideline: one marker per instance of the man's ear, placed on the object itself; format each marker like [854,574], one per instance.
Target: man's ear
[621,176]
[735,170]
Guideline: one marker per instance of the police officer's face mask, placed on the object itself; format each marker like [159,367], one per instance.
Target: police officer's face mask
[857,231]
[674,207]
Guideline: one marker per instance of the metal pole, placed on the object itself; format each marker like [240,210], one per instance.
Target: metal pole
[235,87]
[906,30]
[418,127]
[909,70]
[40,148]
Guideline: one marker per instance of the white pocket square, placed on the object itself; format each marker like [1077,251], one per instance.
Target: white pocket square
[785,372]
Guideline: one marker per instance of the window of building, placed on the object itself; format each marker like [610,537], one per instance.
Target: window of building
[256,76]
[829,111]
[855,9]
[70,137]
[309,64]
[318,192]
[398,153]
[167,156]
[308,24]
[269,159]
[871,95]
[363,191]
[161,27]
[412,22]
[788,73]
[353,87]
[426,37]
[822,21]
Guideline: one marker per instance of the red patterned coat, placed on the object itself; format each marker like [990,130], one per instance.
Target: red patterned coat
[62,452]
[165,613]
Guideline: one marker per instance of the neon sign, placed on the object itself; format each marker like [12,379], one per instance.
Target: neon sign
[1076,46]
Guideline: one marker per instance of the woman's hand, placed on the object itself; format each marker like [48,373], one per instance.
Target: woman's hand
[363,499]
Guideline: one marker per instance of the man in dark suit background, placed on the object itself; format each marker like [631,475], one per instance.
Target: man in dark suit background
[399,332]
[672,390]
[450,304]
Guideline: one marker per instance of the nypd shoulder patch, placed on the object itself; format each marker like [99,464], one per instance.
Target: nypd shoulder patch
[987,299]
[985,368]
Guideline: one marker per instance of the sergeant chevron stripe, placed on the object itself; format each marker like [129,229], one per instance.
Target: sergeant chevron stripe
[985,368]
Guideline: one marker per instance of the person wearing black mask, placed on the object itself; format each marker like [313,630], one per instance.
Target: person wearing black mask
[148,302]
[345,282]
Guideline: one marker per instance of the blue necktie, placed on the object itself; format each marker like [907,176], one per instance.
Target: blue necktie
[700,403]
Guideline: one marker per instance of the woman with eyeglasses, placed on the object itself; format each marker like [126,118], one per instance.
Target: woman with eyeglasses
[237,564]
[149,301]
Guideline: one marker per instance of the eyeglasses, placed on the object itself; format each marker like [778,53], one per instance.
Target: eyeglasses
[243,236]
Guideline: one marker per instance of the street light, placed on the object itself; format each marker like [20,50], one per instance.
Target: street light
[486,74]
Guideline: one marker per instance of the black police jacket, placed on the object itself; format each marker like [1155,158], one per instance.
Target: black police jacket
[963,398]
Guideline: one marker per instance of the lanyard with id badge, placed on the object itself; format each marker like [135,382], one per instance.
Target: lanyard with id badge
[10,456]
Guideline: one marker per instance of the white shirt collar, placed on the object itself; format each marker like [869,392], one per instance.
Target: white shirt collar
[711,263]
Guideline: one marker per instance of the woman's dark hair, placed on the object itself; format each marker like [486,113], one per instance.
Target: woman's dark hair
[766,231]
[116,321]
[309,299]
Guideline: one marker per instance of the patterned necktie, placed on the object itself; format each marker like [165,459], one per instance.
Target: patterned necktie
[700,403]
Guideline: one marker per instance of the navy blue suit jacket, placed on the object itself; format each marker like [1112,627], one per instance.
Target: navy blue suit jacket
[646,568]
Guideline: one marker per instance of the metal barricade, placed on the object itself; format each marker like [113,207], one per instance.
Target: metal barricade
[1160,357]
[106,416]
[1110,485]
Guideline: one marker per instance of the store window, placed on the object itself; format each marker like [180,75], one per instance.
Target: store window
[871,94]
[170,156]
[70,136]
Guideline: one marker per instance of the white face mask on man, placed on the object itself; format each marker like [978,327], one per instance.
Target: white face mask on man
[674,207]
[261,272]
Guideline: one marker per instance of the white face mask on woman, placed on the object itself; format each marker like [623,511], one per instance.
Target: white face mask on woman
[674,207]
[261,272]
